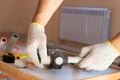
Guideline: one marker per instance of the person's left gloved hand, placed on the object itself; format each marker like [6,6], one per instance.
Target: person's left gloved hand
[98,56]
[36,40]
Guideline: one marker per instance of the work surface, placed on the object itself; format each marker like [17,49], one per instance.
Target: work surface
[66,73]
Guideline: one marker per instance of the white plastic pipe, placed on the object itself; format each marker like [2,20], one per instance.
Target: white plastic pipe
[46,61]
[70,60]
[3,40]
[74,59]
[12,43]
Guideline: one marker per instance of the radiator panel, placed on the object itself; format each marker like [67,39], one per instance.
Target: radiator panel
[85,25]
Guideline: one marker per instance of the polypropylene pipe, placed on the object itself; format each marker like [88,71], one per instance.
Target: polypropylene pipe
[11,43]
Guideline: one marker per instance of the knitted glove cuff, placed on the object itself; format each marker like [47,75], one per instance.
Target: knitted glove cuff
[111,44]
[37,24]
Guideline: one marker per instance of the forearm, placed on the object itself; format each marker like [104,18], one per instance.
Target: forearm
[116,41]
[45,10]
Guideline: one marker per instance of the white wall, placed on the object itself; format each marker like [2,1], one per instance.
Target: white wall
[15,15]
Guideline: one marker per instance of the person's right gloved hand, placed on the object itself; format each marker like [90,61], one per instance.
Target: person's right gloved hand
[99,56]
[36,40]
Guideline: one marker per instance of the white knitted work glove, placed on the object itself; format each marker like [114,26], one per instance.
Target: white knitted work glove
[98,57]
[36,40]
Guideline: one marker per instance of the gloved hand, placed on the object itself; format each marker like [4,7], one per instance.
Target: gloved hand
[36,40]
[98,57]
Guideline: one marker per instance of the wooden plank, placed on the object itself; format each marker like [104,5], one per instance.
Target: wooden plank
[112,76]
[16,73]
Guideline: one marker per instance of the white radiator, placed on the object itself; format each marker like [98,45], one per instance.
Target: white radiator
[84,25]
